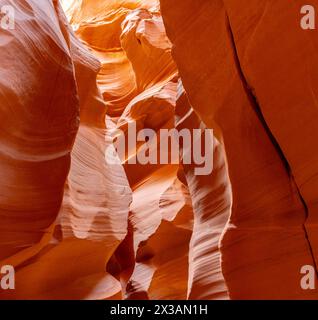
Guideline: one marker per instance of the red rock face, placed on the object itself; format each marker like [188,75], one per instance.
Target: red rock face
[251,74]
[75,226]
[40,118]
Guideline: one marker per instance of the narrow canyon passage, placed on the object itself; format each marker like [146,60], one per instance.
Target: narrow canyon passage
[73,78]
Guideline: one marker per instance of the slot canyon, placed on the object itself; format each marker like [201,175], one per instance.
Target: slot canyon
[74,226]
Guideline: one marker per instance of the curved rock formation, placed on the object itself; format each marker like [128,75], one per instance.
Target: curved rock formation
[253,88]
[74,252]
[76,226]
[41,119]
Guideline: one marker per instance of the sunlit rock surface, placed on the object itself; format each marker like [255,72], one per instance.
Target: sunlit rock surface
[251,75]
[76,227]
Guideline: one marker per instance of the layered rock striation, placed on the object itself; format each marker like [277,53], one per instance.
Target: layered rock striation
[76,226]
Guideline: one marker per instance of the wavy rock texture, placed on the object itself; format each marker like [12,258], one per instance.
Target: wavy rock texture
[168,240]
[250,74]
[76,227]
[67,260]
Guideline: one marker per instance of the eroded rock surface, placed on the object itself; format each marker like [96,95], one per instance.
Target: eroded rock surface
[251,75]
[77,227]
